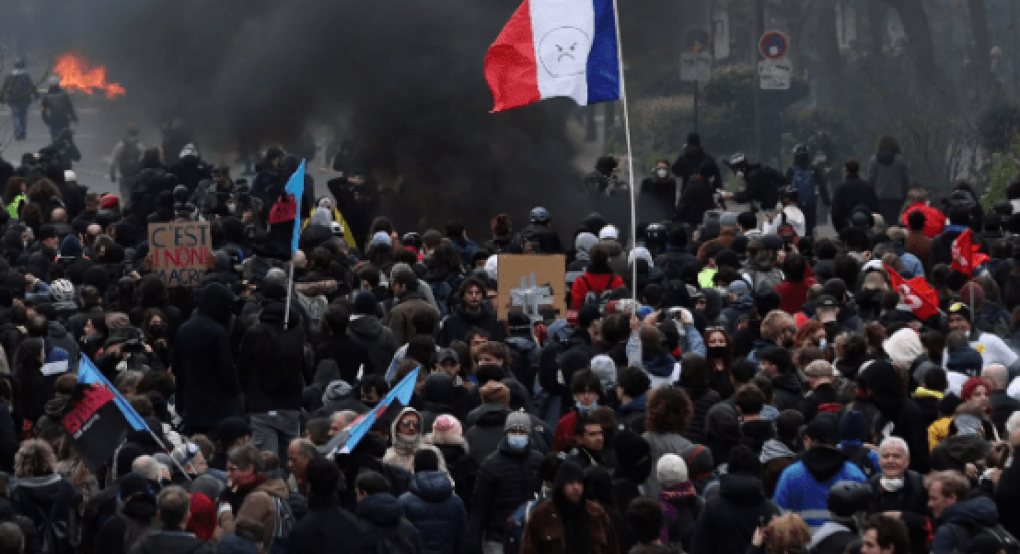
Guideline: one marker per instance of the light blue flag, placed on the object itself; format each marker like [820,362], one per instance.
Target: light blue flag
[88,374]
[296,186]
[401,392]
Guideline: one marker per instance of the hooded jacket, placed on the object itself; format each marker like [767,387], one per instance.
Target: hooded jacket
[271,362]
[400,316]
[401,454]
[437,513]
[203,365]
[139,513]
[548,530]
[378,341]
[462,467]
[51,495]
[886,389]
[803,488]
[957,521]
[703,399]
[852,193]
[888,173]
[383,516]
[729,518]
[505,480]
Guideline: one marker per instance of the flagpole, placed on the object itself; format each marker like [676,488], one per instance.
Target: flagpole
[290,286]
[630,153]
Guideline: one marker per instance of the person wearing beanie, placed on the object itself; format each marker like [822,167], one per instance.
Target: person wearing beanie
[366,329]
[432,507]
[448,437]
[202,518]
[408,303]
[853,434]
[680,502]
[573,522]
[881,384]
[729,518]
[137,509]
[992,348]
[803,488]
[506,479]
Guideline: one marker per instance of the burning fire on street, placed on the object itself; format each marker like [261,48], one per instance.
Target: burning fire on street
[76,74]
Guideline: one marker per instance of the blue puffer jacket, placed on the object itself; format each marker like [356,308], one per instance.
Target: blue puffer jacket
[437,513]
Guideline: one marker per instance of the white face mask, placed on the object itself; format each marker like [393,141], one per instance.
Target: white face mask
[662,172]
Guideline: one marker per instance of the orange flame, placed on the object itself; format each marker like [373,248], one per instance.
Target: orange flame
[76,74]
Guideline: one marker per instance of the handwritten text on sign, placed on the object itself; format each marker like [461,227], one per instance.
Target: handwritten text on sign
[179,252]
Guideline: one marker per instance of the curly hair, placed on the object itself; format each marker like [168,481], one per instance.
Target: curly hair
[788,533]
[669,410]
[35,458]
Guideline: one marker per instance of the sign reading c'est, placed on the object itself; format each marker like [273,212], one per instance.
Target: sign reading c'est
[179,252]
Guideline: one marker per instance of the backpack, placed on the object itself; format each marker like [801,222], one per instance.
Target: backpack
[804,181]
[997,534]
[515,524]
[285,523]
[859,457]
[129,160]
[762,282]
[597,299]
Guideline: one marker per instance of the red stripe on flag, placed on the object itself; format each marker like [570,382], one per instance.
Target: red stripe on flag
[510,66]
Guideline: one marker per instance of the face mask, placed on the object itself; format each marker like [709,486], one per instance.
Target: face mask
[517,442]
[716,351]
[662,173]
[585,409]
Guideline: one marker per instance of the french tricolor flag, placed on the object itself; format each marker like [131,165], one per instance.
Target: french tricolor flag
[555,48]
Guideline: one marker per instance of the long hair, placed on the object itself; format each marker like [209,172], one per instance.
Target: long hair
[35,458]
[43,189]
[13,189]
[668,411]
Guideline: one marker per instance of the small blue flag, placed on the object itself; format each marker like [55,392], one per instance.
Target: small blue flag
[88,374]
[296,187]
[401,392]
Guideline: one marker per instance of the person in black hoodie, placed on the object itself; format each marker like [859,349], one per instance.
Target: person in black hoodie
[883,386]
[691,160]
[136,511]
[207,384]
[697,196]
[777,365]
[368,331]
[383,516]
[327,527]
[851,193]
[271,368]
[729,518]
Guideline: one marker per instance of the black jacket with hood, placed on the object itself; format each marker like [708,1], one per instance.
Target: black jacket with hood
[886,389]
[271,362]
[457,325]
[377,340]
[728,520]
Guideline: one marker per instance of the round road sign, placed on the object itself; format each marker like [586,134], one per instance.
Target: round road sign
[696,40]
[774,45]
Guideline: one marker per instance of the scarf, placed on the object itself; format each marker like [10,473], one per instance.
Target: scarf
[406,445]
[891,485]
[679,491]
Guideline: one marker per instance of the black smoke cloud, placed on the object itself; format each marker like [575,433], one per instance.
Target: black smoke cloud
[408,75]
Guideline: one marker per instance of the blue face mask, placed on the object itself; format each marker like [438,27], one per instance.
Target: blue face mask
[517,442]
[585,409]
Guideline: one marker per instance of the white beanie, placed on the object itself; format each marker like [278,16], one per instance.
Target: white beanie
[609,232]
[903,346]
[671,470]
[605,369]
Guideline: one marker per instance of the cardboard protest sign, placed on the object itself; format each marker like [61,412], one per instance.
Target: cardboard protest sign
[179,252]
[535,285]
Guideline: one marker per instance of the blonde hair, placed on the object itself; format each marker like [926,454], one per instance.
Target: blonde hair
[787,533]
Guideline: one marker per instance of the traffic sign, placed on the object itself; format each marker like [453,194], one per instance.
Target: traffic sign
[695,67]
[774,45]
[696,40]
[775,74]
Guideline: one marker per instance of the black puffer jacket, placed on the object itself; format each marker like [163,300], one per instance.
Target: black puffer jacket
[728,519]
[506,479]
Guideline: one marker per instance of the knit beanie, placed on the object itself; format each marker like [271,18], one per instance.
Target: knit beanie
[364,303]
[605,369]
[743,460]
[853,427]
[203,516]
[446,430]
[518,421]
[671,470]
[567,472]
[903,346]
[495,392]
[974,296]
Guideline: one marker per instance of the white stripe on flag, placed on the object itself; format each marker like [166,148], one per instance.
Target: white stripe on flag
[563,31]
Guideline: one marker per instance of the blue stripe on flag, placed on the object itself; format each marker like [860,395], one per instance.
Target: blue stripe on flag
[296,187]
[604,58]
[88,374]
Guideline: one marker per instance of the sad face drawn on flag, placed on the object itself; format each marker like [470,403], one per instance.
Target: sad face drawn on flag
[564,51]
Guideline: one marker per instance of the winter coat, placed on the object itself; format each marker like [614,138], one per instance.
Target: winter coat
[377,340]
[329,528]
[1003,406]
[787,391]
[823,399]
[506,479]
[896,408]
[851,193]
[204,370]
[33,545]
[349,355]
[400,316]
[803,488]
[728,520]
[486,431]
[172,542]
[687,164]
[457,325]
[911,501]
[887,171]
[462,467]
[597,283]
[437,513]
[1007,498]
[133,517]
[954,533]
[661,444]
[681,508]
[545,532]
[703,399]
[49,498]
[401,454]
[695,199]
[271,362]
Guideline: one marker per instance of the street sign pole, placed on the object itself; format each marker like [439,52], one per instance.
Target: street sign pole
[759,30]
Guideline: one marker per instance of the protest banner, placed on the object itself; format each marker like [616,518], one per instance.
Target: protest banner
[180,252]
[535,285]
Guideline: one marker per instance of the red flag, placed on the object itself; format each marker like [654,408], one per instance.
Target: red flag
[916,293]
[965,254]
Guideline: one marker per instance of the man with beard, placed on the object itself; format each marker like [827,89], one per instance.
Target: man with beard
[577,525]
[472,312]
